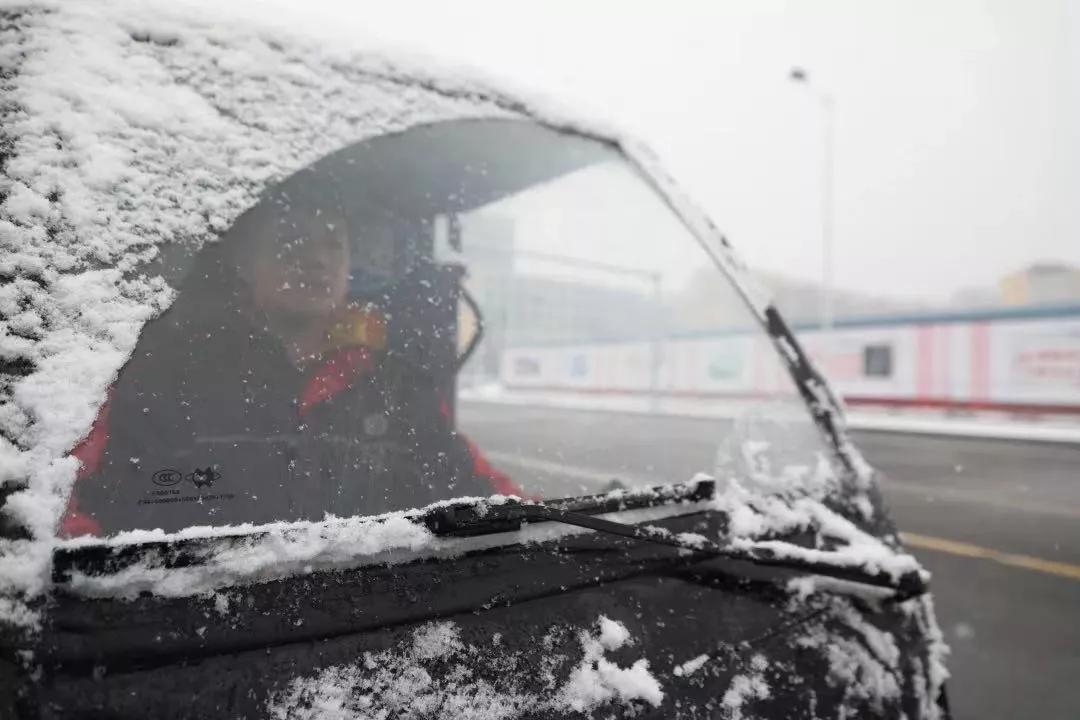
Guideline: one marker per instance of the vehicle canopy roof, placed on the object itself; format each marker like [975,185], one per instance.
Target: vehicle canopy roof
[129,131]
[132,131]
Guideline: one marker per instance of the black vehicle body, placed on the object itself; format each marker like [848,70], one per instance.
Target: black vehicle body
[181,658]
[533,620]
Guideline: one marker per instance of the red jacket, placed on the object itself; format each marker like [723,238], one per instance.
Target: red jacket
[337,374]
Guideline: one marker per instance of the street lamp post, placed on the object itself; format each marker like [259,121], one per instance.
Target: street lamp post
[825,100]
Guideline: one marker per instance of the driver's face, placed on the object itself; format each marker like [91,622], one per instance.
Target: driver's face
[304,274]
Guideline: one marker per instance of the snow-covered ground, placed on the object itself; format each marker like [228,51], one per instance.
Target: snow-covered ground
[1064,429]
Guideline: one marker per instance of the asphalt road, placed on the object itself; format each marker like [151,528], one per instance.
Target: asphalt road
[998,524]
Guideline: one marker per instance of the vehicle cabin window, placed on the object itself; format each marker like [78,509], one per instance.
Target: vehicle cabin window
[460,309]
[878,361]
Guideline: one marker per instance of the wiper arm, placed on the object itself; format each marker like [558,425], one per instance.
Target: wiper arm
[468,520]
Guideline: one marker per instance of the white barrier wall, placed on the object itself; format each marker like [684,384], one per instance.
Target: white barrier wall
[1027,363]
[1035,362]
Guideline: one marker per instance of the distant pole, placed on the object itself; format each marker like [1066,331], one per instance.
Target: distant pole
[825,100]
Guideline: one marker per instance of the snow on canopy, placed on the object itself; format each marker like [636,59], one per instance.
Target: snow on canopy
[127,130]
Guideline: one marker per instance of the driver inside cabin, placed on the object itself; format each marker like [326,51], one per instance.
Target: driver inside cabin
[296,376]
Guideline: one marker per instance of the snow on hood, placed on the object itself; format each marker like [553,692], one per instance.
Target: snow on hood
[434,671]
[483,683]
[866,664]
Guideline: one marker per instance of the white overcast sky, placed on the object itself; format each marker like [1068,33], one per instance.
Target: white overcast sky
[957,121]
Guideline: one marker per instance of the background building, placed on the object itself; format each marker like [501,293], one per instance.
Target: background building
[1041,283]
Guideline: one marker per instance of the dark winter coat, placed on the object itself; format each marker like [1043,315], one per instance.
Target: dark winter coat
[211,423]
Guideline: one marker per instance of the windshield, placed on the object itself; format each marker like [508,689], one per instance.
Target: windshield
[460,309]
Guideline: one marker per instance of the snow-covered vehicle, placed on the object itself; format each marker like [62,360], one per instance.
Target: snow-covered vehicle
[283,432]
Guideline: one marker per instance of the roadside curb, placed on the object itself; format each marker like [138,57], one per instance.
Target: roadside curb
[974,429]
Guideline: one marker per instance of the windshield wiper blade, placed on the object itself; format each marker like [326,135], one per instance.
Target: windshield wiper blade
[468,520]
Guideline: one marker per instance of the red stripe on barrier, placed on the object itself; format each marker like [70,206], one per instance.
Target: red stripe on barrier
[944,352]
[924,372]
[980,362]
